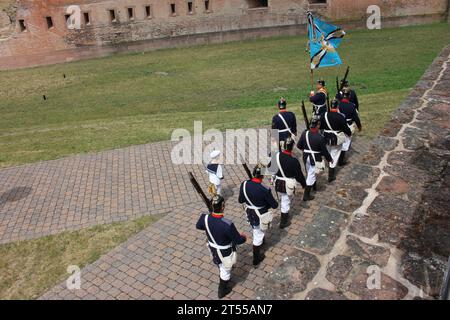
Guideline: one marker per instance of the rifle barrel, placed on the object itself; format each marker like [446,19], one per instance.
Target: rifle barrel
[305,115]
[200,191]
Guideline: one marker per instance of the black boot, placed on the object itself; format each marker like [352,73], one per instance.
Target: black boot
[314,187]
[331,174]
[307,195]
[224,288]
[258,257]
[342,162]
[284,220]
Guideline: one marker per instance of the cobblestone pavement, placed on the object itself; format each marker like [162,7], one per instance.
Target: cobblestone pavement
[169,259]
[86,190]
[384,218]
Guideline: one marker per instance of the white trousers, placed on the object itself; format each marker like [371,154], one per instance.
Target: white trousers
[285,202]
[258,236]
[347,143]
[219,189]
[311,172]
[225,275]
[335,152]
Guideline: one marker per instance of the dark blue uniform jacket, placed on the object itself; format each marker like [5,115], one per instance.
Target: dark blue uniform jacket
[292,169]
[260,196]
[224,233]
[317,143]
[338,123]
[350,112]
[278,124]
[320,98]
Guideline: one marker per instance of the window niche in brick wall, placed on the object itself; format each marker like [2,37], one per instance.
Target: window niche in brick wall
[112,15]
[87,18]
[207,6]
[173,9]
[148,11]
[22,25]
[130,13]
[49,21]
[190,7]
[257,4]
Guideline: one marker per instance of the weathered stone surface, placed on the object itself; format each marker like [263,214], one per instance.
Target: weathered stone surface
[392,184]
[411,103]
[385,143]
[338,269]
[414,138]
[290,277]
[325,229]
[403,115]
[353,183]
[371,253]
[389,288]
[373,156]
[425,273]
[391,129]
[347,199]
[419,167]
[323,294]
[434,111]
[391,207]
[388,230]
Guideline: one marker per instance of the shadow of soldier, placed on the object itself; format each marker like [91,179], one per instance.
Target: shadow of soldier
[15,194]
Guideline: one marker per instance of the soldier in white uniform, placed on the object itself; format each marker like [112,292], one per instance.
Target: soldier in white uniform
[215,173]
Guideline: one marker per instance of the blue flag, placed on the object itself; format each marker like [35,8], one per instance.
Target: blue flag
[324,39]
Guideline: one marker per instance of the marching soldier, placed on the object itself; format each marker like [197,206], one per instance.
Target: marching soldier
[334,128]
[215,172]
[223,239]
[289,174]
[353,98]
[285,122]
[348,109]
[319,99]
[258,200]
[314,148]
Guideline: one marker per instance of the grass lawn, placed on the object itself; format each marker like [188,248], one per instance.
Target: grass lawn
[29,268]
[139,98]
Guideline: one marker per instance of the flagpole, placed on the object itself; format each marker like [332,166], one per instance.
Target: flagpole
[308,27]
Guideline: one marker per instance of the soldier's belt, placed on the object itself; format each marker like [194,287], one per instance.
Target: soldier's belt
[219,247]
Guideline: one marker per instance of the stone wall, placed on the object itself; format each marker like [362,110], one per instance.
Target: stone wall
[34,32]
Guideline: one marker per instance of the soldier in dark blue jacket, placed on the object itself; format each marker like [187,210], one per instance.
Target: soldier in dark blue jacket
[353,98]
[285,122]
[334,125]
[258,200]
[314,148]
[288,171]
[350,112]
[319,99]
[223,239]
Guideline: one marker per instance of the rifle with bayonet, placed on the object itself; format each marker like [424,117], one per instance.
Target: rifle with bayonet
[328,103]
[341,86]
[249,173]
[305,115]
[337,85]
[200,192]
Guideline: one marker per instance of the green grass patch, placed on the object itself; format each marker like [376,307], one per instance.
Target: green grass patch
[30,268]
[138,98]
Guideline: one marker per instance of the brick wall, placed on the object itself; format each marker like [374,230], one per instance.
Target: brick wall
[230,19]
